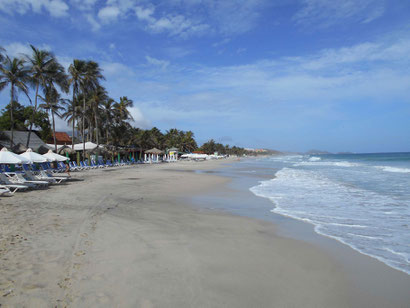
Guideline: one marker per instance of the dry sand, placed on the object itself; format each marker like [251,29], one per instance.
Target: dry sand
[127,237]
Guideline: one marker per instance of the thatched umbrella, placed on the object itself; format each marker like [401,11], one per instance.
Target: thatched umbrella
[19,148]
[154,151]
[153,154]
[65,150]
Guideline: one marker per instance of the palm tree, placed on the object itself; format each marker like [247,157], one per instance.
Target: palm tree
[90,80]
[122,111]
[43,66]
[53,104]
[109,113]
[76,73]
[14,73]
[2,56]
[98,97]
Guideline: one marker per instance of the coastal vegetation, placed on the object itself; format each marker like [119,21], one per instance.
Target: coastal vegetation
[78,96]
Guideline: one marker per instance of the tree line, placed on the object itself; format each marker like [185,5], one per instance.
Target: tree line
[78,97]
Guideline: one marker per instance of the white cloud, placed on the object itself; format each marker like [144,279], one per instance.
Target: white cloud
[56,8]
[115,69]
[95,25]
[17,49]
[84,5]
[326,13]
[108,14]
[144,13]
[174,24]
[138,118]
[156,62]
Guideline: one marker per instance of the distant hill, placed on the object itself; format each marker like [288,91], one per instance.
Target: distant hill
[317,152]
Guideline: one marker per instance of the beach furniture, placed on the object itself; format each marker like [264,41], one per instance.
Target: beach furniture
[4,191]
[84,166]
[30,175]
[47,174]
[87,165]
[77,167]
[101,163]
[18,178]
[4,181]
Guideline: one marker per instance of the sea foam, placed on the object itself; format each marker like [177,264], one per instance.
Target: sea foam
[349,212]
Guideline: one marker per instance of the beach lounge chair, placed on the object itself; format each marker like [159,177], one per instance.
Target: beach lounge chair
[46,174]
[83,165]
[4,181]
[19,178]
[90,165]
[101,164]
[94,165]
[77,167]
[31,176]
[5,192]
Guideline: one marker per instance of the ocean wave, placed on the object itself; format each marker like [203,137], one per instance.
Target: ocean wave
[327,163]
[393,169]
[347,213]
[314,158]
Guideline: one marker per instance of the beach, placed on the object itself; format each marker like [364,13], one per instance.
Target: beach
[135,237]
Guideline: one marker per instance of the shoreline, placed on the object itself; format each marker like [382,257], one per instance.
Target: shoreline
[353,261]
[132,237]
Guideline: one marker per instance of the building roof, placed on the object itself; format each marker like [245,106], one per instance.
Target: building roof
[21,137]
[62,138]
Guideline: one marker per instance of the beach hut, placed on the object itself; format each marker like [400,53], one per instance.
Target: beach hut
[153,155]
[172,154]
[21,137]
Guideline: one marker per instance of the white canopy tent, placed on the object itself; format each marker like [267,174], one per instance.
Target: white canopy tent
[55,157]
[7,157]
[89,146]
[34,157]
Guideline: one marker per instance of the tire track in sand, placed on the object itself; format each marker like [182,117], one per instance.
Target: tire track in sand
[80,247]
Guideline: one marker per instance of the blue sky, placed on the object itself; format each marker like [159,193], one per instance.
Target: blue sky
[282,74]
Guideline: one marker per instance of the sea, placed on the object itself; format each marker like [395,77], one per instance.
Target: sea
[361,200]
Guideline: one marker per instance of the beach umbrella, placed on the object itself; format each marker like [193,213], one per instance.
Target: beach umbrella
[55,157]
[34,157]
[7,157]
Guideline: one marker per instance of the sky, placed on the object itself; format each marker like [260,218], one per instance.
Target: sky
[291,75]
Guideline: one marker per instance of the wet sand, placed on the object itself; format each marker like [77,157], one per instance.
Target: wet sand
[129,237]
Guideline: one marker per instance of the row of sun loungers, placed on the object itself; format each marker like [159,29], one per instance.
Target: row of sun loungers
[29,177]
[100,164]
[33,177]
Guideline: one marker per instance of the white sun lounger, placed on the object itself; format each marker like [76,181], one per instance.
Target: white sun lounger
[19,178]
[5,192]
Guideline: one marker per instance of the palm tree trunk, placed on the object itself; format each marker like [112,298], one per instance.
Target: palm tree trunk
[72,138]
[32,116]
[83,124]
[54,131]
[11,114]
[97,137]
[96,129]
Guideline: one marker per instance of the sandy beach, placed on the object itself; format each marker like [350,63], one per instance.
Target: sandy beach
[130,237]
